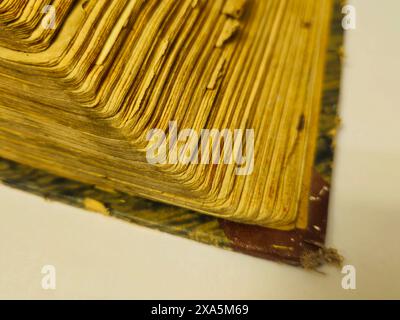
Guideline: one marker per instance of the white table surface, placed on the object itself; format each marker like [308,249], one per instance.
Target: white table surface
[99,257]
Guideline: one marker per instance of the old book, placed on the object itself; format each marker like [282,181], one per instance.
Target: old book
[212,106]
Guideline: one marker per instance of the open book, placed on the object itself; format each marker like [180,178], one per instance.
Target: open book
[208,105]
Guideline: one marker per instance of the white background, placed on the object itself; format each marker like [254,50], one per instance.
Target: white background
[99,257]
